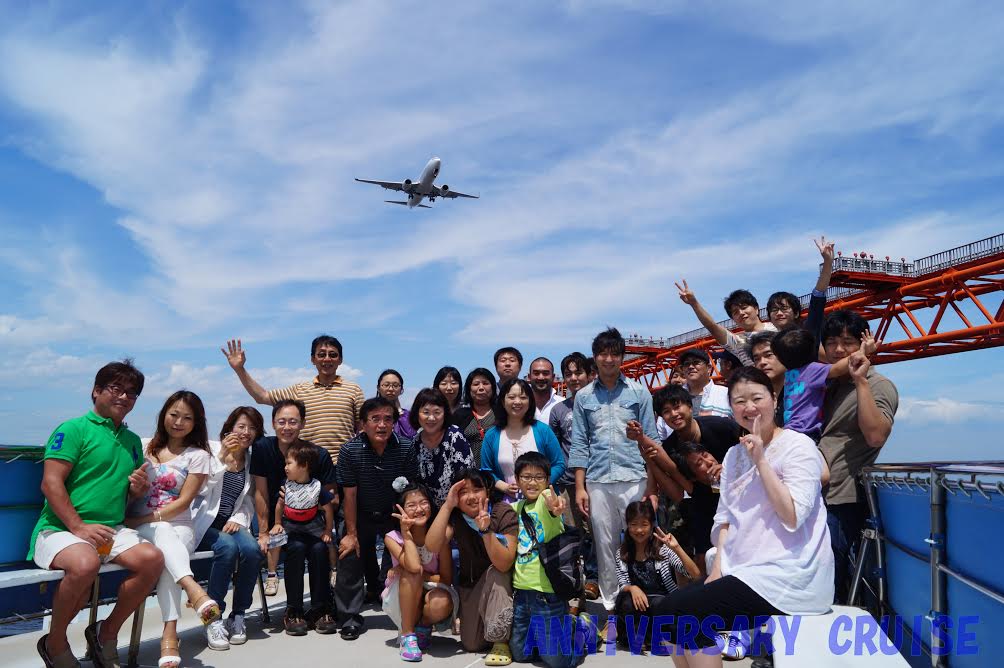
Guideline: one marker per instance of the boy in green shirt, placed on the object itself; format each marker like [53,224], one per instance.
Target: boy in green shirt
[92,466]
[535,604]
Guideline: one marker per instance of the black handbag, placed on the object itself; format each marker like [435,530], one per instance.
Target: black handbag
[561,557]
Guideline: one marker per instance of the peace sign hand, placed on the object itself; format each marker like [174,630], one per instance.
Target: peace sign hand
[483,520]
[825,248]
[406,522]
[686,294]
[753,442]
[667,539]
[555,504]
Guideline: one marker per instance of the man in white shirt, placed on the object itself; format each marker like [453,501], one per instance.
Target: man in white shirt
[706,397]
[542,383]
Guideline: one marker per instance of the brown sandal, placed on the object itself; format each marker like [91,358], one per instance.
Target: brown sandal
[171,659]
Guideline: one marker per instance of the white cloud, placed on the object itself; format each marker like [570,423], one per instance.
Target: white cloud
[42,366]
[947,411]
[228,171]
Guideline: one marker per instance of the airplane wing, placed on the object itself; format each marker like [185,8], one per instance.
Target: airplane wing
[453,194]
[389,185]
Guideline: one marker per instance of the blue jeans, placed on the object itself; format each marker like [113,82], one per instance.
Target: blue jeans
[233,551]
[845,522]
[542,626]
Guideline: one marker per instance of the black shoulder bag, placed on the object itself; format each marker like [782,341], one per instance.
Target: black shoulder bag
[561,558]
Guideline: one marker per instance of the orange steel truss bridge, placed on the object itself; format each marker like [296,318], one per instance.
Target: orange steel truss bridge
[945,303]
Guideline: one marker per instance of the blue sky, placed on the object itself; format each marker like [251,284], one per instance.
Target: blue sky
[180,173]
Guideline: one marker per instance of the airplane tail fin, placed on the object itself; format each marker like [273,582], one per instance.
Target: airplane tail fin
[405,203]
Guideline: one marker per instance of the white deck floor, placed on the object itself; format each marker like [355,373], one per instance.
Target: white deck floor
[271,647]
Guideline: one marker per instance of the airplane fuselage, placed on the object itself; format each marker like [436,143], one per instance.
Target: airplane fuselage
[420,189]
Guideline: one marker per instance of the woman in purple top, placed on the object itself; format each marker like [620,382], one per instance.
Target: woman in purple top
[390,384]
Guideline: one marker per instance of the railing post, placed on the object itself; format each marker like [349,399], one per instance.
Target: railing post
[937,544]
[877,528]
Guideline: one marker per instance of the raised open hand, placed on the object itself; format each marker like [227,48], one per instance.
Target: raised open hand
[453,496]
[868,343]
[686,294]
[234,354]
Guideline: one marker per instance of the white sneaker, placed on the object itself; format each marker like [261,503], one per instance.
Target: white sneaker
[216,634]
[238,632]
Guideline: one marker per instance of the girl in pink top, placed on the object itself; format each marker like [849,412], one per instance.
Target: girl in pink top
[418,596]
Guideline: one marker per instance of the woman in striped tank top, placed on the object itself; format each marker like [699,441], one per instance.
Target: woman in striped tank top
[222,516]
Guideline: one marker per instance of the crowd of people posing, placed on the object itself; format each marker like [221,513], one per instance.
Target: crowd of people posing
[438,513]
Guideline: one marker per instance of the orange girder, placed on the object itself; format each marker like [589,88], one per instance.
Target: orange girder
[892,300]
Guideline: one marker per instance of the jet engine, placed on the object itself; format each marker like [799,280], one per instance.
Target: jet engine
[407,185]
[444,188]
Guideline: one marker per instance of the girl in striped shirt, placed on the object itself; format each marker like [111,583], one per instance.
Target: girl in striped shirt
[647,563]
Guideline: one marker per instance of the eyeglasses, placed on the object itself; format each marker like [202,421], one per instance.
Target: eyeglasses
[415,505]
[781,309]
[380,419]
[691,363]
[390,386]
[118,391]
[322,355]
[290,422]
[540,477]
[432,414]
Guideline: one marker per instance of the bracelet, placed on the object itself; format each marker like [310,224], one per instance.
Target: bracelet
[157,516]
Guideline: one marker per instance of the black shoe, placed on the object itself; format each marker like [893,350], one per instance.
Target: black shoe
[350,632]
[294,624]
[371,598]
[325,624]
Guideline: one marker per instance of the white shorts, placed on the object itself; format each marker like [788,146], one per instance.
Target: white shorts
[50,543]
[391,603]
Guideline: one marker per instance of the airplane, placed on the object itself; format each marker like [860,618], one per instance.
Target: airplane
[419,190]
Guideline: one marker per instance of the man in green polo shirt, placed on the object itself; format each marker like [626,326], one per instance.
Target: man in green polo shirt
[93,466]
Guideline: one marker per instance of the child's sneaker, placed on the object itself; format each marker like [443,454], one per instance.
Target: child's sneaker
[585,636]
[734,645]
[409,648]
[424,636]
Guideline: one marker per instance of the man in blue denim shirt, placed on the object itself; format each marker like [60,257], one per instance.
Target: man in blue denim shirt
[603,456]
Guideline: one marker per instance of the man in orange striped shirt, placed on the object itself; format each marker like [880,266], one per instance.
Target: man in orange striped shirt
[332,402]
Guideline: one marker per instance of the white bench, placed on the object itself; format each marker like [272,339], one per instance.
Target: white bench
[38,576]
[845,636]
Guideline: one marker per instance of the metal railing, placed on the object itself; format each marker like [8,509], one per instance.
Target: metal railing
[937,480]
[960,255]
[926,265]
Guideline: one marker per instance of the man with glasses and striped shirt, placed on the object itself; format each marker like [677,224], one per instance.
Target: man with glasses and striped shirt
[332,401]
